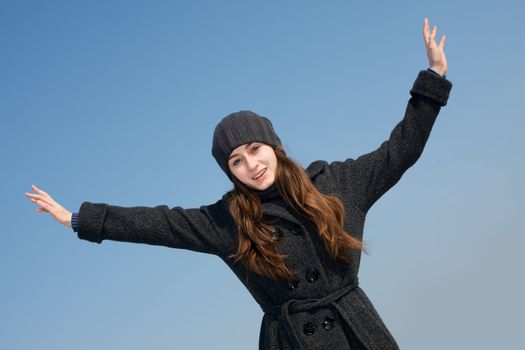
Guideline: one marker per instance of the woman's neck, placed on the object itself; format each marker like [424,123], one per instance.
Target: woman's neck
[269,194]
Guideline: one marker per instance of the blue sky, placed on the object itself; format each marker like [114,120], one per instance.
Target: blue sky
[116,101]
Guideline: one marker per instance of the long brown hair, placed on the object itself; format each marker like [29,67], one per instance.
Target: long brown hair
[257,250]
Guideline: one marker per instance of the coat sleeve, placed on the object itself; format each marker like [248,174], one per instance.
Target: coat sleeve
[201,229]
[368,177]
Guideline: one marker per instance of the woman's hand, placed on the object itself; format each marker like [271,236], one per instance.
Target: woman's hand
[49,205]
[436,54]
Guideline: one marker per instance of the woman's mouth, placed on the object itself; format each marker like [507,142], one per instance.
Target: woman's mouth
[260,175]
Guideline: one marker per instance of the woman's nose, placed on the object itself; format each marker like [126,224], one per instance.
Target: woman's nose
[252,163]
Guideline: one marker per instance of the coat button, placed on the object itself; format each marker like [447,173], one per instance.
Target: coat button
[296,230]
[312,275]
[328,323]
[292,285]
[309,328]
[278,235]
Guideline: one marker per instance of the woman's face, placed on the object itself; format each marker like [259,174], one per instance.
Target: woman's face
[247,162]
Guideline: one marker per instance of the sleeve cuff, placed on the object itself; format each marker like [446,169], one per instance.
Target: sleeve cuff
[74,222]
[433,86]
[91,218]
[436,73]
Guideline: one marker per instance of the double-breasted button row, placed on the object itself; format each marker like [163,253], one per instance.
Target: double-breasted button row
[310,327]
[311,276]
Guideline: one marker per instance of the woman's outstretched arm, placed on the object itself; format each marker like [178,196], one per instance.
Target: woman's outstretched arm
[368,177]
[201,229]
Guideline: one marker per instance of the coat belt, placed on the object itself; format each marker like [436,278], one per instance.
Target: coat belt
[300,305]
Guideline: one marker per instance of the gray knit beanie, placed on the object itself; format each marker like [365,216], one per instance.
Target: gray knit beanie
[237,129]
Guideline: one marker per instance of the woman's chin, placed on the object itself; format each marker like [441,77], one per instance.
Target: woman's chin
[263,185]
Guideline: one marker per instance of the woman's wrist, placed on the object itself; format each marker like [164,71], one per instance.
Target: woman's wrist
[68,223]
[438,71]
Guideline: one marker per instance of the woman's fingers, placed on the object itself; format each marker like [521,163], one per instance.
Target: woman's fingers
[49,205]
[429,36]
[426,33]
[45,205]
[433,36]
[38,190]
[43,195]
[43,199]
[38,197]
[435,52]
[442,43]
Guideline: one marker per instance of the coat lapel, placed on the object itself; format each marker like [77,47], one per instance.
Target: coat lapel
[283,211]
[276,210]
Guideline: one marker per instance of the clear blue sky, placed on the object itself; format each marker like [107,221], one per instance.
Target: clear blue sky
[116,101]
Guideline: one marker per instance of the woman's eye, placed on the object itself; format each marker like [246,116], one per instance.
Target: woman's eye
[237,160]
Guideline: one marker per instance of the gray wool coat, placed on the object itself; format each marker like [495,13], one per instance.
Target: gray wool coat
[324,308]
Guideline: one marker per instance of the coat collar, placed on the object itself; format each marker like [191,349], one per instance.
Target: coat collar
[315,168]
[277,210]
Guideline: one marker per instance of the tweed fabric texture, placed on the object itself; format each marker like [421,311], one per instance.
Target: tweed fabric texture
[237,129]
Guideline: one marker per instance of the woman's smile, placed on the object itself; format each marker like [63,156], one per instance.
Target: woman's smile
[260,175]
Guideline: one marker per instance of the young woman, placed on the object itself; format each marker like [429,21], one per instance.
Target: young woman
[293,236]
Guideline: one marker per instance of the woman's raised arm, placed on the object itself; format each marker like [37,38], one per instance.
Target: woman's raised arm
[368,177]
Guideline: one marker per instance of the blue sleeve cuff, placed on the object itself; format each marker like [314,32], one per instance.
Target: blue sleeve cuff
[74,221]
